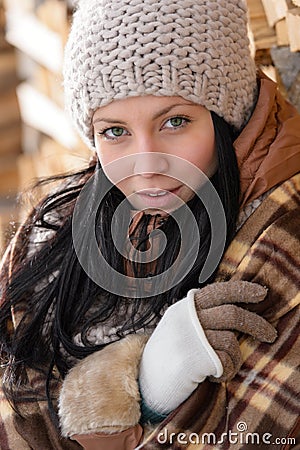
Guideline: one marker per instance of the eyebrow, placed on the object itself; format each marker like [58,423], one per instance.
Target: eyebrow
[106,119]
[156,116]
[169,108]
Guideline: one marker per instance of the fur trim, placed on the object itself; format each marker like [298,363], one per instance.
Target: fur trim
[100,393]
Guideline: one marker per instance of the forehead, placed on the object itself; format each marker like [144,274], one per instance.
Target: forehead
[142,104]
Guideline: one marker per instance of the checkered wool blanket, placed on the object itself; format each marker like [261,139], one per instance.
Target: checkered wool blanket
[260,407]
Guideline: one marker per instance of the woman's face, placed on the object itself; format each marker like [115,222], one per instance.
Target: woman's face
[151,130]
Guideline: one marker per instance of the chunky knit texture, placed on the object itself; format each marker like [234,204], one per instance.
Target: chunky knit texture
[198,50]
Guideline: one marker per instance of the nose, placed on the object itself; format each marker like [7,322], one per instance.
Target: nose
[147,164]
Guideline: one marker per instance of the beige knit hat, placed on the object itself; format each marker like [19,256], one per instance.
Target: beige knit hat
[196,49]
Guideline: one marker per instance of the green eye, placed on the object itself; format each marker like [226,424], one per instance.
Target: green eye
[117,131]
[176,121]
[113,133]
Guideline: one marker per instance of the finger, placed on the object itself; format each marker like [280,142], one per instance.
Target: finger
[229,292]
[230,369]
[232,317]
[226,344]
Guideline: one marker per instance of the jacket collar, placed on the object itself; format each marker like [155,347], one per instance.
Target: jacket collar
[268,148]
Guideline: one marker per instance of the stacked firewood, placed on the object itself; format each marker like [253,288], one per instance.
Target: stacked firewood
[10,132]
[37,138]
[275,28]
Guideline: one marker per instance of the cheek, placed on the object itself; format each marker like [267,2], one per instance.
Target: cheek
[105,163]
[103,155]
[125,186]
[108,163]
[202,154]
[117,170]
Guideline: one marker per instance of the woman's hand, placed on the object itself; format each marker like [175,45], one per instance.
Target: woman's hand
[222,320]
[197,338]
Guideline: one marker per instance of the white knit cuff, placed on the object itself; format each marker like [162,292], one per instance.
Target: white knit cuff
[212,355]
[176,358]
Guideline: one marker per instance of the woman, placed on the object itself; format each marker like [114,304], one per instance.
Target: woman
[167,97]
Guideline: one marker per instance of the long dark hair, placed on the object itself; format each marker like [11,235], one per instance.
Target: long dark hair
[53,294]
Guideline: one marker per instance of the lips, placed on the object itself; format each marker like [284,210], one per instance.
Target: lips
[154,192]
[158,198]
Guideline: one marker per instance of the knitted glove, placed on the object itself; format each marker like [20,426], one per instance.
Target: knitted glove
[100,395]
[220,318]
[196,338]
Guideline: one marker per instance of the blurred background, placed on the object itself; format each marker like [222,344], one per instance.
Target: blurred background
[36,137]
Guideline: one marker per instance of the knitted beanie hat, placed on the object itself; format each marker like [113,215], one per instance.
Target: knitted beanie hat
[196,49]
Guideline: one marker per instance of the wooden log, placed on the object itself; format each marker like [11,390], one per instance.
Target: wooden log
[19,5]
[10,140]
[27,170]
[9,176]
[264,35]
[275,10]
[53,13]
[50,84]
[32,37]
[293,28]
[9,108]
[8,70]
[282,33]
[60,159]
[41,113]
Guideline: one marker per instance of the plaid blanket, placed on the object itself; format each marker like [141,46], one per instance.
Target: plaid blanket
[260,407]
